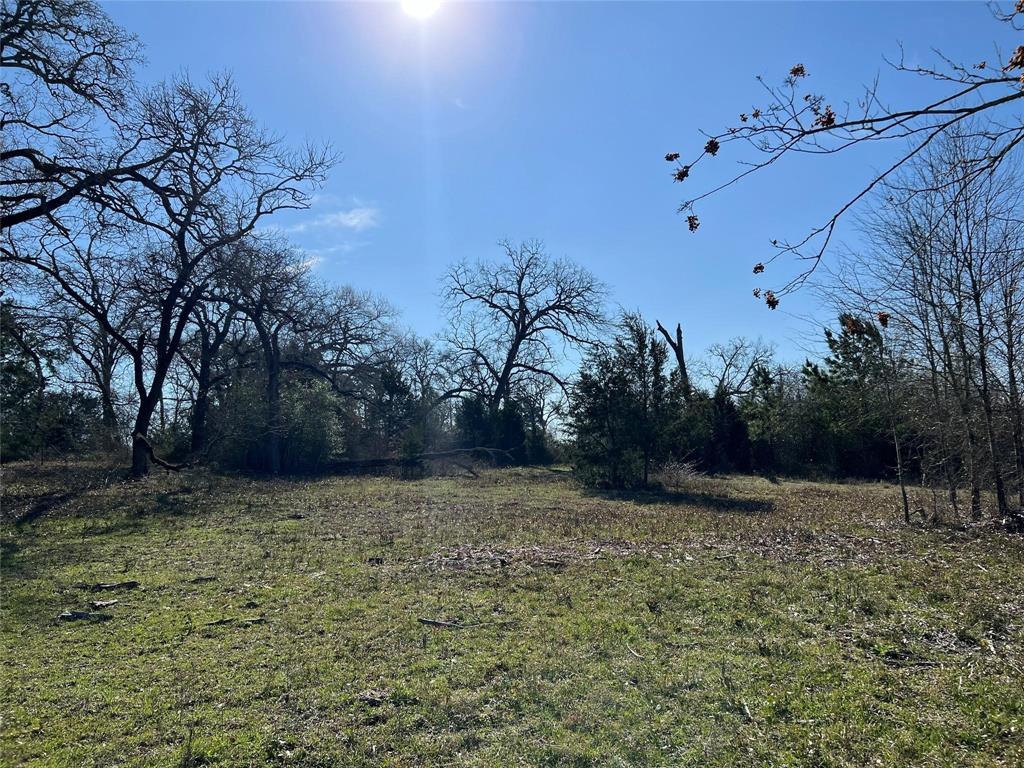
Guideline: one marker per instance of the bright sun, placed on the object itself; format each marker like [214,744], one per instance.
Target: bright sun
[421,9]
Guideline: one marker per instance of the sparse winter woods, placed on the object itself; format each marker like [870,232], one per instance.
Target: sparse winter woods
[144,305]
[301,465]
[941,277]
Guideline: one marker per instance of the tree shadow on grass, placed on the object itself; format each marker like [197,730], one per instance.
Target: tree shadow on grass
[708,500]
[24,555]
[163,507]
[60,488]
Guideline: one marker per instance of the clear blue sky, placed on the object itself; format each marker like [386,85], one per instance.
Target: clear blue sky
[551,120]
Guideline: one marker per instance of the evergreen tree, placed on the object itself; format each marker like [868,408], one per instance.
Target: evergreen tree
[847,397]
[624,408]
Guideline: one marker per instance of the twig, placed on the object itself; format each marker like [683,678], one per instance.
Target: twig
[455,625]
[630,649]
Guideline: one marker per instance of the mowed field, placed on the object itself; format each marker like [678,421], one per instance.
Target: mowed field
[513,618]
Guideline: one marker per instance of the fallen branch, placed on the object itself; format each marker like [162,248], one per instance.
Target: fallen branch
[235,620]
[455,625]
[630,649]
[141,438]
[465,467]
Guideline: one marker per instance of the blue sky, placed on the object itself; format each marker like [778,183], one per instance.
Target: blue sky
[550,120]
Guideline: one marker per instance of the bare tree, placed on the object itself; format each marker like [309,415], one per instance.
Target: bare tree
[66,109]
[213,321]
[796,120]
[339,336]
[729,368]
[222,174]
[947,250]
[515,318]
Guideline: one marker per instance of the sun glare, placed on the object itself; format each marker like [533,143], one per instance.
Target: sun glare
[421,9]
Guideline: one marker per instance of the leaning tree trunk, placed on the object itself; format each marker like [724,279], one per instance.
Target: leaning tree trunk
[142,450]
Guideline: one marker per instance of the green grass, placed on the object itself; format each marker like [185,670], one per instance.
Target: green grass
[735,623]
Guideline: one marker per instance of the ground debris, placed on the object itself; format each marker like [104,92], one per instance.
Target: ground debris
[374,697]
[84,616]
[97,604]
[468,558]
[107,586]
[247,621]
[796,544]
[456,625]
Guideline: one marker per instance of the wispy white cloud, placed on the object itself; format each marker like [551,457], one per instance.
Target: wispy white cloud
[357,219]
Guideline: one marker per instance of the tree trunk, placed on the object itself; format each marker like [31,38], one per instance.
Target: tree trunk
[899,473]
[200,411]
[677,348]
[109,420]
[274,426]
[965,412]
[504,382]
[986,401]
[1015,399]
[108,414]
[201,407]
[140,449]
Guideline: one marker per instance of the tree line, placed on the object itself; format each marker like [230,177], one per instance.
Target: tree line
[145,308]
[921,382]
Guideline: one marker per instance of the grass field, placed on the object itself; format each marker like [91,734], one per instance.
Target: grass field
[288,623]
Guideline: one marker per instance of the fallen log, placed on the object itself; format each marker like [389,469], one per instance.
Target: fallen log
[343,465]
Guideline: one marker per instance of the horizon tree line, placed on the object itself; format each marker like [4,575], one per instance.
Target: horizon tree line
[143,307]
